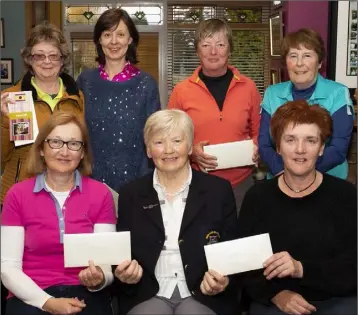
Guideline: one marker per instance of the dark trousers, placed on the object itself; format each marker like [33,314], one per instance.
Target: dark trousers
[334,306]
[4,293]
[97,303]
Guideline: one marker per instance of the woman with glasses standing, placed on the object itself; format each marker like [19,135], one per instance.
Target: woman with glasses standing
[46,56]
[59,199]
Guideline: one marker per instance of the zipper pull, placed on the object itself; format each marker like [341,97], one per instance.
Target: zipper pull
[221,116]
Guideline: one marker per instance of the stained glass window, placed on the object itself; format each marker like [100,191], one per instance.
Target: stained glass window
[77,14]
[243,15]
[145,14]
[190,14]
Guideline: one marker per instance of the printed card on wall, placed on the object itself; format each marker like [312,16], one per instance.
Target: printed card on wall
[22,118]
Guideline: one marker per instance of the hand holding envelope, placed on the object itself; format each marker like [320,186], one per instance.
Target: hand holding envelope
[203,160]
[92,276]
[129,272]
[239,255]
[233,154]
[107,248]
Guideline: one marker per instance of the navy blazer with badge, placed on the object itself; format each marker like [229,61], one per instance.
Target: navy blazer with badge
[210,216]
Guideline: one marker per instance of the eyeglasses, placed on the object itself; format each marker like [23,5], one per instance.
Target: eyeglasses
[42,57]
[71,145]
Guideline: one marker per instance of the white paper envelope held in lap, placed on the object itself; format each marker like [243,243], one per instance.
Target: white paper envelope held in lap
[108,248]
[231,154]
[239,255]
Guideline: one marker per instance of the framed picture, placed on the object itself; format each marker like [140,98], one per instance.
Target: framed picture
[275,76]
[2,34]
[7,71]
[276,34]
[343,63]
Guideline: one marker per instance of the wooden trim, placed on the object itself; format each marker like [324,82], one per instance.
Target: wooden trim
[54,13]
[230,4]
[233,26]
[28,18]
[81,35]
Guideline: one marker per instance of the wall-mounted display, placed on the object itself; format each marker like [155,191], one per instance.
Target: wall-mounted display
[352,40]
[344,43]
[7,71]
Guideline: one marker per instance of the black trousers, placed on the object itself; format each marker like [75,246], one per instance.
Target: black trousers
[4,293]
[97,303]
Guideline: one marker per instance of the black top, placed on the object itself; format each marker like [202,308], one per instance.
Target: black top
[210,210]
[320,230]
[217,86]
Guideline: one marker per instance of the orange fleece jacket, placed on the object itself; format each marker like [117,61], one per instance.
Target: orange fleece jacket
[238,120]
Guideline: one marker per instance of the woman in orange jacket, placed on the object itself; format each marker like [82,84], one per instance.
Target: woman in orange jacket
[223,104]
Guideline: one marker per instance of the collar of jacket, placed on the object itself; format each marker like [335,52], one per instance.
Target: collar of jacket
[238,77]
[69,83]
[320,91]
[147,189]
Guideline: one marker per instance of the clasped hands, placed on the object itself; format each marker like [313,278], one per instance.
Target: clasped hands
[282,265]
[92,277]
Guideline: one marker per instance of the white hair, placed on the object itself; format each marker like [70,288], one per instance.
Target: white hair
[165,121]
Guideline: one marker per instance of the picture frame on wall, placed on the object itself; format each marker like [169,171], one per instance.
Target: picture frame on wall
[343,61]
[7,71]
[276,34]
[2,33]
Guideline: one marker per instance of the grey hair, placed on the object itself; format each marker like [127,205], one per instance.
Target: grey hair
[165,121]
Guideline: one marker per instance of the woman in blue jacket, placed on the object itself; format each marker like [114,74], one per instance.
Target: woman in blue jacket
[303,52]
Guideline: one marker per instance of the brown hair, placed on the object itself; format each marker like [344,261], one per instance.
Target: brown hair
[36,164]
[300,112]
[208,28]
[307,38]
[109,20]
[46,32]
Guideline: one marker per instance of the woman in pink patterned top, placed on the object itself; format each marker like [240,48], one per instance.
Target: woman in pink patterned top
[119,98]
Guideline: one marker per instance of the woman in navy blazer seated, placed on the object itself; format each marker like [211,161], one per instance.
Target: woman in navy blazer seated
[171,214]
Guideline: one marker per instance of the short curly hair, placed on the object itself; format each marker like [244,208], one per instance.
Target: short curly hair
[48,33]
[297,113]
[306,37]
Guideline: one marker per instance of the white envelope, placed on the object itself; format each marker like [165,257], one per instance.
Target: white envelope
[239,255]
[231,154]
[108,248]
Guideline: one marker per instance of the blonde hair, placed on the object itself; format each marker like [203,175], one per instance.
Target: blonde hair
[35,162]
[208,28]
[46,33]
[165,121]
